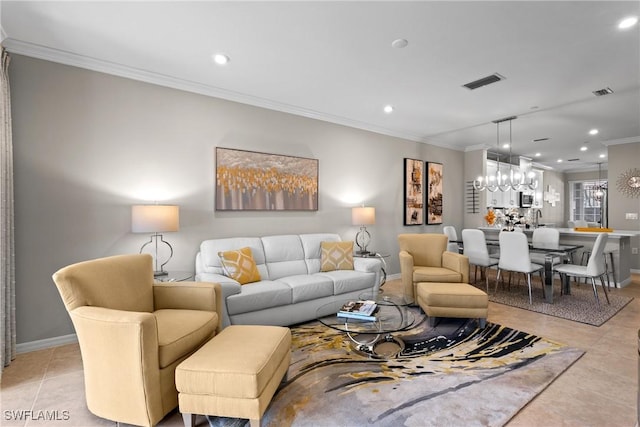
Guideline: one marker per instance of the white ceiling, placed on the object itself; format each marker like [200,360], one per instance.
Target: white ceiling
[334,61]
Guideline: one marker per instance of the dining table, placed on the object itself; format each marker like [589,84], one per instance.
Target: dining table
[550,251]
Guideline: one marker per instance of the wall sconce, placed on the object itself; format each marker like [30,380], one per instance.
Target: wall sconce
[363,216]
[156,219]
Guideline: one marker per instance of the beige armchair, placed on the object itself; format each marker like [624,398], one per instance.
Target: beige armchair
[424,258]
[134,332]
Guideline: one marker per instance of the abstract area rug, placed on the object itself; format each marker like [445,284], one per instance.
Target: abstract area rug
[450,375]
[580,306]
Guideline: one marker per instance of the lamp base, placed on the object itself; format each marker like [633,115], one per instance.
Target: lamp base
[160,273]
[363,253]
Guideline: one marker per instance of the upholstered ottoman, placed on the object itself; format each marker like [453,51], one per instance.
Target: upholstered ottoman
[458,300]
[235,374]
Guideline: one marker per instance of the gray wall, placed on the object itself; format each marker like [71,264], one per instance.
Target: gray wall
[89,145]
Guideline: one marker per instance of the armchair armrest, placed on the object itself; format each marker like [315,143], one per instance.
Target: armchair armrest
[406,275]
[203,296]
[458,263]
[120,358]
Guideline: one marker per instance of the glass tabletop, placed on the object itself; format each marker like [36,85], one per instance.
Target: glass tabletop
[392,315]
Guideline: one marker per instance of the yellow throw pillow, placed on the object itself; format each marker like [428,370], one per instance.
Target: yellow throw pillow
[240,266]
[336,256]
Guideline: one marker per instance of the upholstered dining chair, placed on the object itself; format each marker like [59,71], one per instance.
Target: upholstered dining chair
[475,247]
[595,267]
[514,256]
[452,235]
[424,258]
[545,236]
[134,332]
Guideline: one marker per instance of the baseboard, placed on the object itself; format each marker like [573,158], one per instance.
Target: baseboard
[394,276]
[46,343]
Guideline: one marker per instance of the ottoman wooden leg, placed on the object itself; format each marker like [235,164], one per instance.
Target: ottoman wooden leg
[189,420]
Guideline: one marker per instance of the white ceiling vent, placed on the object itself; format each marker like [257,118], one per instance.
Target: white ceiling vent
[493,78]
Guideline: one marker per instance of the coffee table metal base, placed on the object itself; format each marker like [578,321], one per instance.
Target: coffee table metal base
[387,347]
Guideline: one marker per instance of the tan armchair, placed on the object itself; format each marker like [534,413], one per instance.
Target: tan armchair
[134,332]
[424,258]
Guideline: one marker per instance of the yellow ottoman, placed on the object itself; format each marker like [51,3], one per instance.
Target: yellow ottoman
[459,300]
[235,374]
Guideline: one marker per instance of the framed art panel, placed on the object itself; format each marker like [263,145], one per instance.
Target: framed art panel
[251,181]
[413,192]
[434,193]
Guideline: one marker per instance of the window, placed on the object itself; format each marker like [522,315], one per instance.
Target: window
[586,201]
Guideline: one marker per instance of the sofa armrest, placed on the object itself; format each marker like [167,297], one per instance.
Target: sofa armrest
[458,263]
[367,265]
[406,275]
[120,358]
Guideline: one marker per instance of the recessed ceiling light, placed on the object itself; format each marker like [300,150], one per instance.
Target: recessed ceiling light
[559,160]
[399,43]
[593,132]
[628,22]
[505,145]
[538,154]
[388,109]
[221,59]
[602,156]
[583,148]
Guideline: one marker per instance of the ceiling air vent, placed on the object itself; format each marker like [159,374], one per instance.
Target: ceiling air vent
[484,81]
[572,160]
[541,139]
[602,92]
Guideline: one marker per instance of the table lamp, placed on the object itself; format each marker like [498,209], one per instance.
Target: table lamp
[156,219]
[363,216]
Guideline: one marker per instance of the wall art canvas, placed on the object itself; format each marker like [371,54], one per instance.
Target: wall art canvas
[413,192]
[248,180]
[434,193]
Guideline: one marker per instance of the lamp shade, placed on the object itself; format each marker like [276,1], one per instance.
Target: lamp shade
[363,215]
[155,218]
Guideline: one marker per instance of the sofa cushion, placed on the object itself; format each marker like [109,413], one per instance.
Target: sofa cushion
[258,296]
[306,287]
[239,265]
[284,256]
[345,281]
[182,331]
[336,256]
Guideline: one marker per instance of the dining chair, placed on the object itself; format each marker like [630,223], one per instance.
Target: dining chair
[515,257]
[595,267]
[450,231]
[475,248]
[545,236]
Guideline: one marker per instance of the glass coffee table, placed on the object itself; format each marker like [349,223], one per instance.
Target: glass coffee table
[376,338]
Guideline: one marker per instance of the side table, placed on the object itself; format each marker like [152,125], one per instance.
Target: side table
[175,276]
[381,257]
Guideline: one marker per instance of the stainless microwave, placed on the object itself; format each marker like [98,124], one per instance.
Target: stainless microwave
[526,200]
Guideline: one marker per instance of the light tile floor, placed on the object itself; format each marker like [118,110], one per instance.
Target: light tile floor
[600,389]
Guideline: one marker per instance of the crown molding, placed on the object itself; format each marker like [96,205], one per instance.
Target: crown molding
[112,68]
[628,140]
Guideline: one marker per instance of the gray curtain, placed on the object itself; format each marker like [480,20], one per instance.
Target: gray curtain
[7,255]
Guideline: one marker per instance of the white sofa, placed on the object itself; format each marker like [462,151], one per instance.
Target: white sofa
[292,286]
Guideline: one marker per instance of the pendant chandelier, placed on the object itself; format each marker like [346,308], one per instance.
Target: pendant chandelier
[515,180]
[597,191]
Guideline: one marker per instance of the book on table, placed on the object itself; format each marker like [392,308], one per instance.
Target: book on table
[362,310]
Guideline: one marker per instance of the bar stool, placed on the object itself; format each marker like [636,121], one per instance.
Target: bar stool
[609,267]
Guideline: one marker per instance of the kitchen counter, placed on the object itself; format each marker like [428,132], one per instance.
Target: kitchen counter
[619,241]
